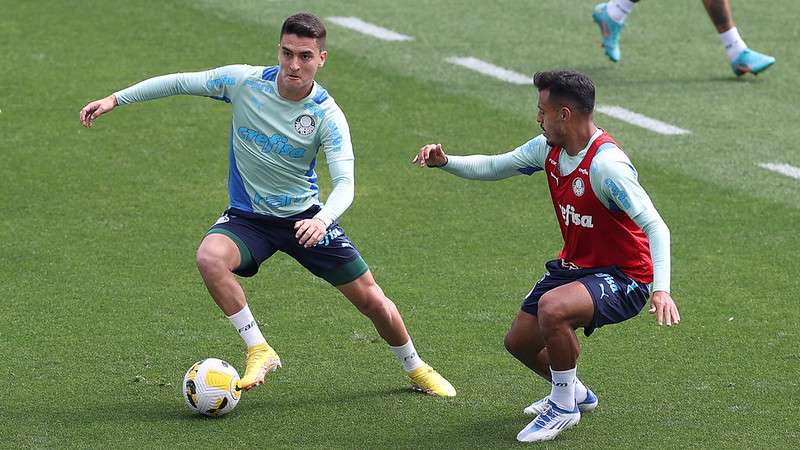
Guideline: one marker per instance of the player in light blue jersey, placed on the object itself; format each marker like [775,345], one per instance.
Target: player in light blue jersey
[281,118]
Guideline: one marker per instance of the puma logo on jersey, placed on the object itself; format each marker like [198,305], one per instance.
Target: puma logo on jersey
[571,217]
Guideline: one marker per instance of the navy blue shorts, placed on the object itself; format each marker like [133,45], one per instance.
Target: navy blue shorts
[616,297]
[258,237]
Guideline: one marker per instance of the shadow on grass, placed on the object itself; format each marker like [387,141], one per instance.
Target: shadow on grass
[168,409]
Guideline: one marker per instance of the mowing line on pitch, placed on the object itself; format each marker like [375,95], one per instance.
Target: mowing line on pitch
[783,169]
[616,112]
[356,24]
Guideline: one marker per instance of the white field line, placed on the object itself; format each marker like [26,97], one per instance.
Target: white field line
[639,120]
[614,111]
[356,24]
[783,169]
[491,70]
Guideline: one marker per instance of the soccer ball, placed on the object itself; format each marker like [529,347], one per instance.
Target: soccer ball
[211,387]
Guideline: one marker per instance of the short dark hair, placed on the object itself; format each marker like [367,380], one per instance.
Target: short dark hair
[305,25]
[567,86]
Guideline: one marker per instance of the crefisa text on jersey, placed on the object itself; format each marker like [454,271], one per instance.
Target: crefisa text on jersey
[277,143]
[570,216]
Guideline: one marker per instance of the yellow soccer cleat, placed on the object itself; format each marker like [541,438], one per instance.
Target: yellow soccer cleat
[427,380]
[261,360]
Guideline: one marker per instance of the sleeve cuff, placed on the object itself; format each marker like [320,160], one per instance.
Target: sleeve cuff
[323,218]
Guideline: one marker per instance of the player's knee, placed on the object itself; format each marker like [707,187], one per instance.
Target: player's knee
[513,342]
[368,297]
[510,343]
[551,312]
[377,305]
[209,261]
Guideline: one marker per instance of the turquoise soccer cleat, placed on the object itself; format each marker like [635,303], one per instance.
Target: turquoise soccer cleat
[750,61]
[609,30]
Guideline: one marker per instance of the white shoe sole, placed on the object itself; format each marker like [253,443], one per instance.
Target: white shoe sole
[545,436]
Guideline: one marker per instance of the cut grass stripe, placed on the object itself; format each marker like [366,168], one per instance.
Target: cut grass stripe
[640,120]
[617,112]
[783,169]
[491,70]
[356,24]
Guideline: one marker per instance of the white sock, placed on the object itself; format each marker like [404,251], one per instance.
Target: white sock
[618,10]
[581,391]
[563,391]
[246,325]
[407,355]
[732,42]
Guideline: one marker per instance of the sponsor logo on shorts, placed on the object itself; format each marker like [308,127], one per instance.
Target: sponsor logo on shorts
[609,280]
[332,234]
[571,217]
[222,219]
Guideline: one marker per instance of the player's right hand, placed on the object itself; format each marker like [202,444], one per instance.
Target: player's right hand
[95,109]
[431,155]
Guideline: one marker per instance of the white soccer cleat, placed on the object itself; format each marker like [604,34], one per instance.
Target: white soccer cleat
[586,406]
[551,421]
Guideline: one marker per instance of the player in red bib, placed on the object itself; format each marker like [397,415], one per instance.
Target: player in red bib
[616,245]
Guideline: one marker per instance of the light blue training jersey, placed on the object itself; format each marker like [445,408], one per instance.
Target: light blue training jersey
[274,141]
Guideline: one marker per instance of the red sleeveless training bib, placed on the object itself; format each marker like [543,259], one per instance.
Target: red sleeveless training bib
[595,236]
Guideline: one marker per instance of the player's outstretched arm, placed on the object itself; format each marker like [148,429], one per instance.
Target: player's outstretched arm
[431,155]
[477,167]
[97,108]
[664,308]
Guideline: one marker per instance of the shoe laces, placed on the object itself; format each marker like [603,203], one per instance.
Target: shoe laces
[547,414]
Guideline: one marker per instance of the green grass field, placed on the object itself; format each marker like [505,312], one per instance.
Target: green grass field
[103,310]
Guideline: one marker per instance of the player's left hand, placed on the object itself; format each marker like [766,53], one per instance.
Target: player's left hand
[309,231]
[664,308]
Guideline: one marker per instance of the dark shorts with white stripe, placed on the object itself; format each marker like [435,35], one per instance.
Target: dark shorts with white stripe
[335,259]
[616,297]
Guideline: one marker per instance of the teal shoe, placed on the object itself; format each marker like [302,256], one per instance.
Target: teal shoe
[751,61]
[609,30]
